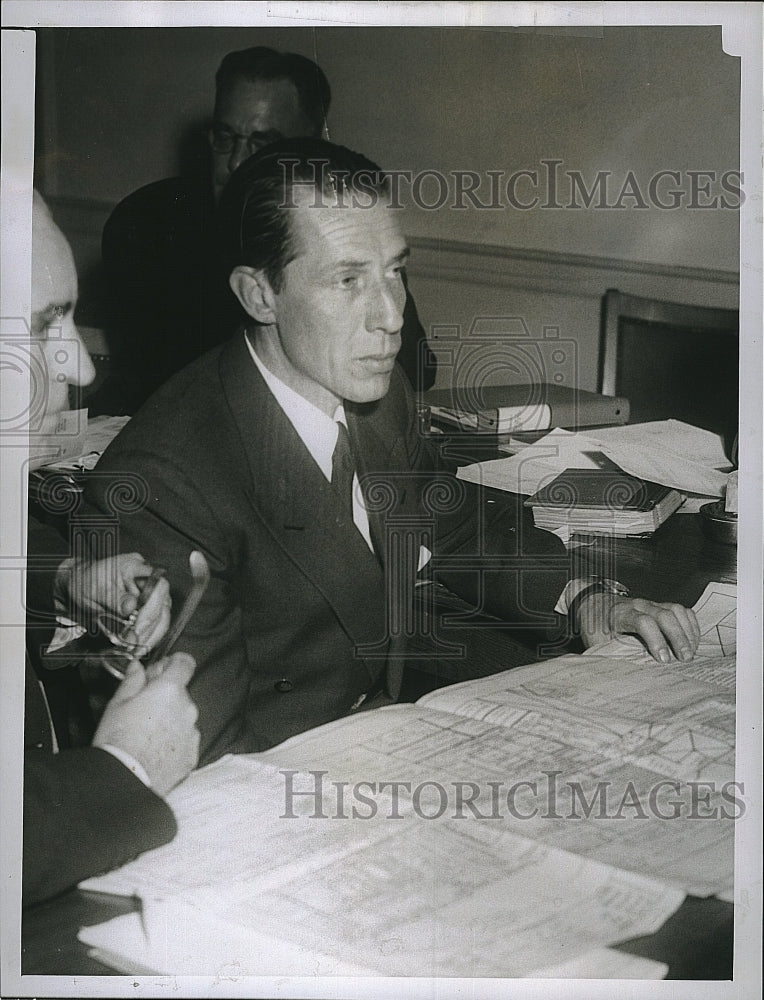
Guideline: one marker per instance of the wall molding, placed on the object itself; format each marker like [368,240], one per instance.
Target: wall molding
[549,272]
[579,275]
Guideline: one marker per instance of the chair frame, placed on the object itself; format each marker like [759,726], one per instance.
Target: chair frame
[618,305]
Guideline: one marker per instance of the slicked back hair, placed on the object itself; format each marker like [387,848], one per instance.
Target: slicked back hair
[255,208]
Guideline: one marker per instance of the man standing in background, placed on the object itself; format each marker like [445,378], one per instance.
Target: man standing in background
[168,291]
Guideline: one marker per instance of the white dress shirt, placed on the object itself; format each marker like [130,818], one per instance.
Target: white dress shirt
[317,431]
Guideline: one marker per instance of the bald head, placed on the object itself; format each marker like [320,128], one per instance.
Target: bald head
[60,357]
[54,278]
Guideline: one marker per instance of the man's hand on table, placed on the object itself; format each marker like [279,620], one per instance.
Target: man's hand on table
[668,630]
[152,720]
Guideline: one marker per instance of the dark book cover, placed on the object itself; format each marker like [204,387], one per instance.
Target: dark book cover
[599,489]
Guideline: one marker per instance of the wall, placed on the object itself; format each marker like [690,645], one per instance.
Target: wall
[116,105]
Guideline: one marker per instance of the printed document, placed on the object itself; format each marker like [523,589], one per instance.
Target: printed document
[550,810]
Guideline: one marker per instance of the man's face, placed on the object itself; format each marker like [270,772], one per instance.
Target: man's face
[251,114]
[62,358]
[340,308]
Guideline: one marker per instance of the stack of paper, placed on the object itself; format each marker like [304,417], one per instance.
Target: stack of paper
[668,452]
[98,435]
[61,443]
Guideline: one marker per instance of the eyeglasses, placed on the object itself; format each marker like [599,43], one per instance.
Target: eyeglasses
[119,632]
[225,140]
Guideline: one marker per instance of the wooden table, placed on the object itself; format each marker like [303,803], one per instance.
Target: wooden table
[674,564]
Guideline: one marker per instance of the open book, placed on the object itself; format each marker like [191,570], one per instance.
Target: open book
[496,828]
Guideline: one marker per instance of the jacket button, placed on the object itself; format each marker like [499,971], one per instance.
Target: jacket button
[283,685]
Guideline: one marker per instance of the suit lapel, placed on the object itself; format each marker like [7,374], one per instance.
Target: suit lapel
[390,493]
[384,472]
[292,498]
[371,456]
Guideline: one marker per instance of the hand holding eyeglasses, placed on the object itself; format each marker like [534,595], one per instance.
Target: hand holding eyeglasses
[133,637]
[126,599]
[128,641]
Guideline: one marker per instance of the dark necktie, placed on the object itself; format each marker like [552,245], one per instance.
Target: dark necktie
[343,470]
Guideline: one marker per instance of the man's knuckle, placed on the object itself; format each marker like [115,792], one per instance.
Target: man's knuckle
[667,617]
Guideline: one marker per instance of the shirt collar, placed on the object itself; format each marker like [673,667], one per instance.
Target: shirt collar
[317,431]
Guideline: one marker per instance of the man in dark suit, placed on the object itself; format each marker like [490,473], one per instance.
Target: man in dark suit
[169,297]
[92,808]
[291,457]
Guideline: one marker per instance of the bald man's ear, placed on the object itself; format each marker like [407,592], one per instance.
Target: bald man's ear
[252,288]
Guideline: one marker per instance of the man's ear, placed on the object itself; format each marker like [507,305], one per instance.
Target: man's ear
[252,288]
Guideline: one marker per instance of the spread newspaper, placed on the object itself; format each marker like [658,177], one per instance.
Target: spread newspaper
[506,826]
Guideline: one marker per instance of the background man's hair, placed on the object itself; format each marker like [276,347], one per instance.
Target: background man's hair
[261,63]
[255,208]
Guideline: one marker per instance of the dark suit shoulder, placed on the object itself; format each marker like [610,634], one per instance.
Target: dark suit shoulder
[163,198]
[170,213]
[189,404]
[182,454]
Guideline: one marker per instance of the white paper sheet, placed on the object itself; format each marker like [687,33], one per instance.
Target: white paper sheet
[421,897]
[669,452]
[310,874]
[606,963]
[64,443]
[98,435]
[685,440]
[537,464]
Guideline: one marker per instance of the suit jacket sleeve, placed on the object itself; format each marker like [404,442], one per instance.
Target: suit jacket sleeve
[508,568]
[84,813]
[178,520]
[45,551]
[492,555]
